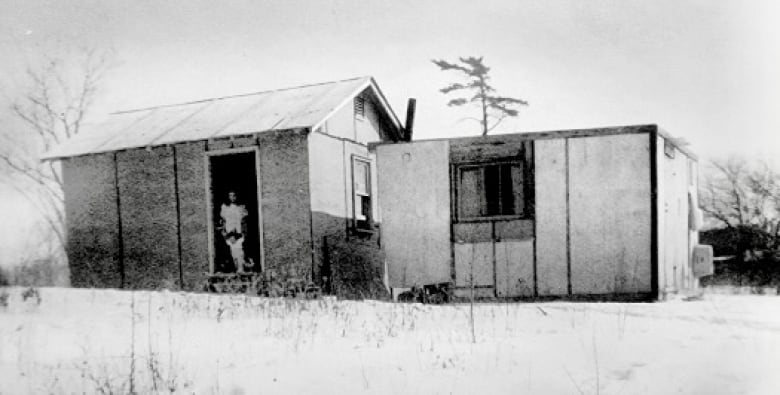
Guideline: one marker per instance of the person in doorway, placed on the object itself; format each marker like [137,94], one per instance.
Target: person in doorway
[233,218]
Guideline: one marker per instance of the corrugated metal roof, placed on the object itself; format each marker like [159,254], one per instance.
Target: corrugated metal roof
[300,107]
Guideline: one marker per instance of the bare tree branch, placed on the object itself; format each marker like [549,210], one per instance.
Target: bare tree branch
[53,108]
[32,120]
[29,173]
[738,193]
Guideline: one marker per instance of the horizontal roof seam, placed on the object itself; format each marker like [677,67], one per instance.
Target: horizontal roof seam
[235,96]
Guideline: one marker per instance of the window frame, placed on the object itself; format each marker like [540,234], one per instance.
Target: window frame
[369,222]
[457,177]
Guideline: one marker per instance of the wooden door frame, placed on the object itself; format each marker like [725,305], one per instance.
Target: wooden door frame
[209,202]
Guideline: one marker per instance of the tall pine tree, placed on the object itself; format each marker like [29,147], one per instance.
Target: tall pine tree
[494,108]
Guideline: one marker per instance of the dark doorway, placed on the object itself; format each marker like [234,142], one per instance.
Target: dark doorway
[236,174]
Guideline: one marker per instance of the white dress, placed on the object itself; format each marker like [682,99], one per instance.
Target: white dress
[233,215]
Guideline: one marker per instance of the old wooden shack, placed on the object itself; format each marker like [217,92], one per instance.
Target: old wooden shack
[144,190]
[596,213]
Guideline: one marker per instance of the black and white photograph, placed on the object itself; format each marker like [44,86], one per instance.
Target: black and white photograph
[389,197]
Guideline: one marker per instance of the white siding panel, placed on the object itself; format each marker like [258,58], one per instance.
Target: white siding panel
[693,235]
[342,123]
[474,262]
[415,207]
[610,216]
[326,175]
[663,279]
[367,128]
[515,268]
[674,208]
[550,184]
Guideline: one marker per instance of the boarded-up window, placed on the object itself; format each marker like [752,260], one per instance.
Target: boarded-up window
[491,190]
[361,181]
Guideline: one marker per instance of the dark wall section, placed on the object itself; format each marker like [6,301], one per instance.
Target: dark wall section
[91,220]
[151,230]
[326,229]
[149,223]
[286,208]
[190,164]
[347,263]
[327,183]
[357,267]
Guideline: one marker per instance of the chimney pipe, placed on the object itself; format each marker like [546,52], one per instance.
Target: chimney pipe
[409,119]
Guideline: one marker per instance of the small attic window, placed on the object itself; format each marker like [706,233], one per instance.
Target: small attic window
[360,108]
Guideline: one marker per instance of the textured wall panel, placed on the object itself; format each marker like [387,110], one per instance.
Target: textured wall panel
[472,232]
[357,266]
[190,163]
[518,229]
[92,221]
[149,223]
[286,208]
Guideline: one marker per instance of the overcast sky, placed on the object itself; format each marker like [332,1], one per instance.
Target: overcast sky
[706,71]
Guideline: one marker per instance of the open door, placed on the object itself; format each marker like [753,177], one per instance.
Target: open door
[234,208]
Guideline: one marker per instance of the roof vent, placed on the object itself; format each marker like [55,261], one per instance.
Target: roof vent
[360,107]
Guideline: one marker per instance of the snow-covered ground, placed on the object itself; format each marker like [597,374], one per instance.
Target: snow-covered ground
[88,341]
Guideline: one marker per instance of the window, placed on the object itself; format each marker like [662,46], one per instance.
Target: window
[491,190]
[361,193]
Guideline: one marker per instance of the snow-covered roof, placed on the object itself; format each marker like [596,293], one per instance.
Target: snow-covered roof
[291,108]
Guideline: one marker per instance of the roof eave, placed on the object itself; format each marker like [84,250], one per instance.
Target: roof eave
[301,129]
[369,82]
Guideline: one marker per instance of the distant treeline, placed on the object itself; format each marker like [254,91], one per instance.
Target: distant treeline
[38,273]
[754,256]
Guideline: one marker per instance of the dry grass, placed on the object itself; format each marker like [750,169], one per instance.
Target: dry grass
[104,341]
